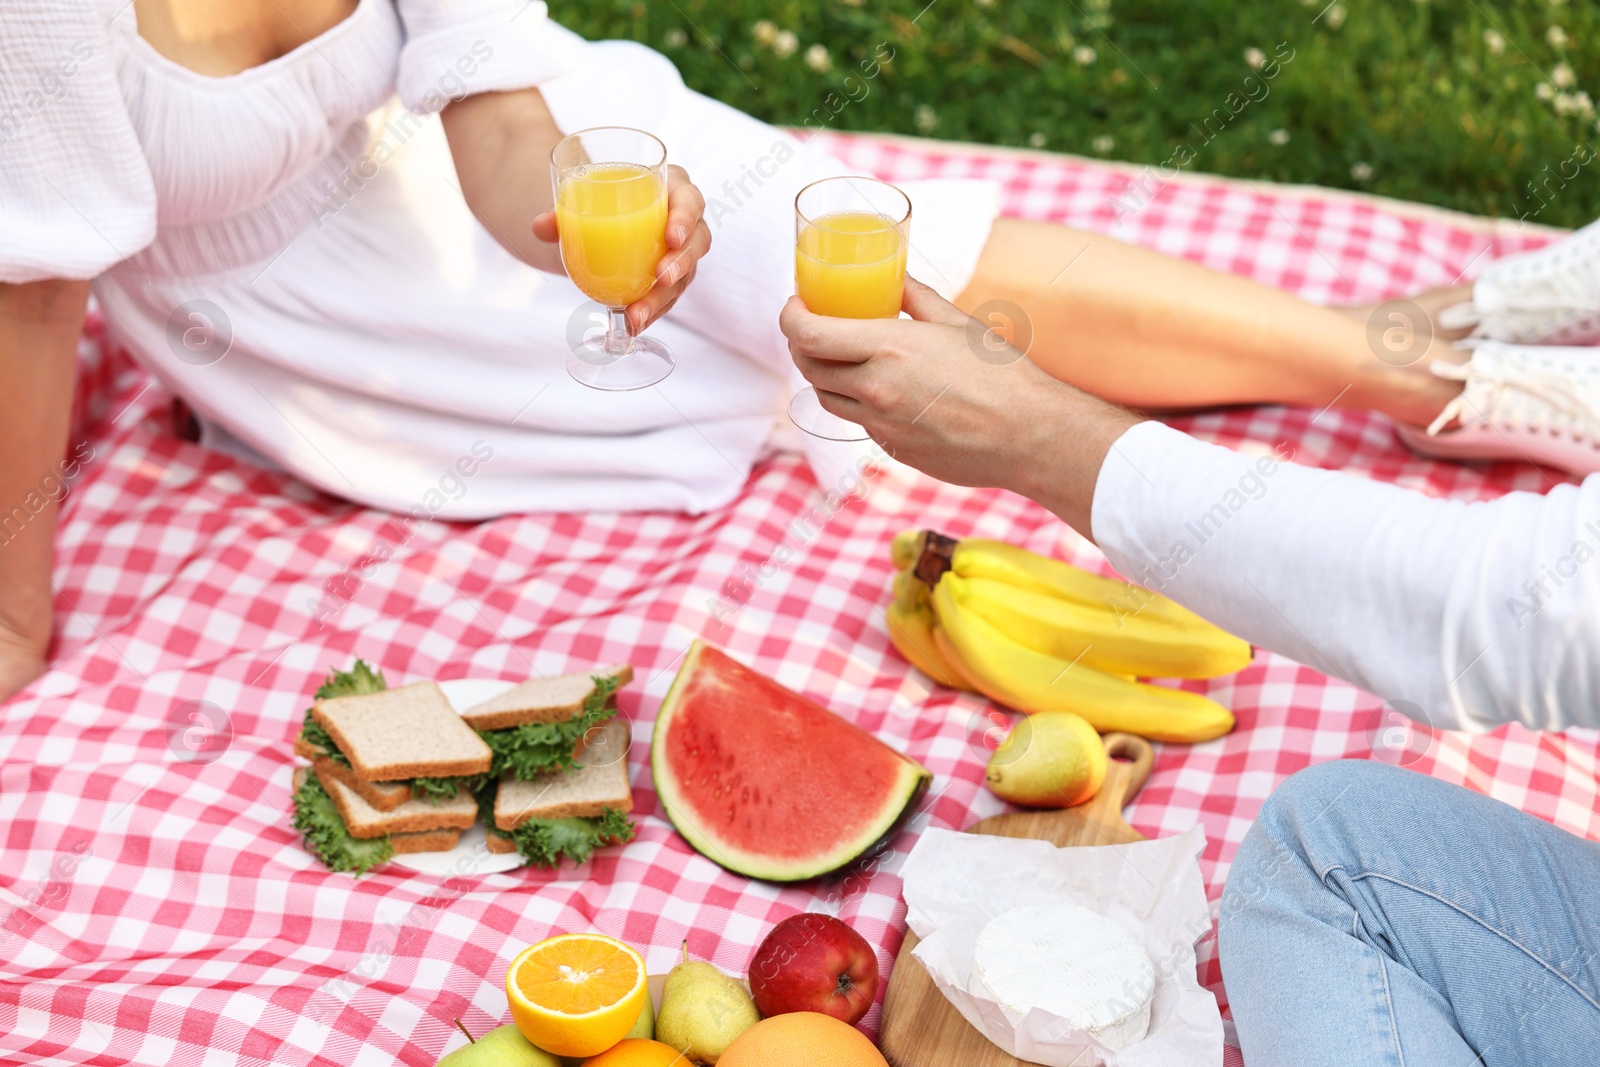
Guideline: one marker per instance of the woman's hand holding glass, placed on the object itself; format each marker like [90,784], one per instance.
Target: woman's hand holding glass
[688,240]
[631,231]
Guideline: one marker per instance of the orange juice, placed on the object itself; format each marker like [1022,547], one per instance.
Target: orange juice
[613,220]
[851,265]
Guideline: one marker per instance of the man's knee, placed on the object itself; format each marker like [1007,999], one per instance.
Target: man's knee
[1305,826]
[1341,790]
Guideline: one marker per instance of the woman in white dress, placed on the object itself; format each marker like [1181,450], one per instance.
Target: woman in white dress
[274,201]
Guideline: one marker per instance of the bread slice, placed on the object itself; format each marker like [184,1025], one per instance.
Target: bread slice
[581,793]
[384,796]
[414,816]
[409,732]
[500,843]
[426,841]
[541,699]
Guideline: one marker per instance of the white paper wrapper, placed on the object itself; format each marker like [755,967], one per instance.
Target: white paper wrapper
[955,883]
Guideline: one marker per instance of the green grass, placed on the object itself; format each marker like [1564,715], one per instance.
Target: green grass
[1406,99]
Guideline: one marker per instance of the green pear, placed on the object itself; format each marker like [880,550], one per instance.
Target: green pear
[703,1010]
[504,1046]
[646,1026]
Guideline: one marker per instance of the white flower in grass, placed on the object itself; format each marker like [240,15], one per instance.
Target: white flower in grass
[1037,140]
[1556,36]
[1083,55]
[1335,16]
[1279,137]
[1495,41]
[1574,104]
[1361,172]
[675,38]
[764,31]
[817,58]
[1561,76]
[1103,144]
[1255,57]
[925,118]
[784,44]
[1544,91]
[984,3]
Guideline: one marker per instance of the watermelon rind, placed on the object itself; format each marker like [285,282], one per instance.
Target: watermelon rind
[911,783]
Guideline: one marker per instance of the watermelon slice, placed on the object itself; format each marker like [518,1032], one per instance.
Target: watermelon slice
[767,783]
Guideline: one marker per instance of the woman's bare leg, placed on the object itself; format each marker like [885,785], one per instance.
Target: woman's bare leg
[1158,333]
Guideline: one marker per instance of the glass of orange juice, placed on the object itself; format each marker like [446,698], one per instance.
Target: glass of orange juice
[850,241]
[611,208]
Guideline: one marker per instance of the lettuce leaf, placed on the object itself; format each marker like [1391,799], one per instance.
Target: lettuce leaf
[326,837]
[438,790]
[531,749]
[543,842]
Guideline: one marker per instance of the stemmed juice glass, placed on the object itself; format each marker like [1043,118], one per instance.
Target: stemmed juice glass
[850,241]
[611,207]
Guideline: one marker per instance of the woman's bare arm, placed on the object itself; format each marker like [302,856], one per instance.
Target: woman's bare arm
[39,327]
[502,143]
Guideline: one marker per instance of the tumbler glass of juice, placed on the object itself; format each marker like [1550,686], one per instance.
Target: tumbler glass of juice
[850,240]
[611,208]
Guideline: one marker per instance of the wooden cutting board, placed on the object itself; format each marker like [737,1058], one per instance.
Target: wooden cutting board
[920,1027]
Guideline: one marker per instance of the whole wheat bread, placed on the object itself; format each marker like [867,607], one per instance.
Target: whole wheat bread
[500,843]
[414,816]
[408,732]
[426,841]
[582,793]
[541,699]
[384,796]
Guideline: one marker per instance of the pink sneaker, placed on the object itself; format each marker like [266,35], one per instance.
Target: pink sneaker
[1548,297]
[1537,404]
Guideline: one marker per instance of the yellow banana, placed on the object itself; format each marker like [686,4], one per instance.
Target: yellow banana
[975,557]
[905,548]
[1019,677]
[910,619]
[1145,644]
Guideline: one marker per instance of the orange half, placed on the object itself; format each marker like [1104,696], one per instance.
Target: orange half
[577,994]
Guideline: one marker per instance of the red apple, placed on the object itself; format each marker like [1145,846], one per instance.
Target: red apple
[814,963]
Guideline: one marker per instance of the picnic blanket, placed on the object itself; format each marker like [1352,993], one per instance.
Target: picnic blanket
[156,907]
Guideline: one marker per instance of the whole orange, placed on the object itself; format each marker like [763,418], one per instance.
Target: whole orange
[638,1052]
[802,1039]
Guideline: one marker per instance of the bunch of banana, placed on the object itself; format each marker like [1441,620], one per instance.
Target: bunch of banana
[1037,634]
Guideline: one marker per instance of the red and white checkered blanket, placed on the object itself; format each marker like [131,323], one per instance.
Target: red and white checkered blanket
[156,907]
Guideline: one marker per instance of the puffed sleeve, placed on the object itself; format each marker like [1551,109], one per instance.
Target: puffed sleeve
[456,48]
[75,191]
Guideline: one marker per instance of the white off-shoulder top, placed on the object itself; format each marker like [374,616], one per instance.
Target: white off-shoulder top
[288,249]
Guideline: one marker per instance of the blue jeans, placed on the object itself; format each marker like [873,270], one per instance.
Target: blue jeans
[1378,916]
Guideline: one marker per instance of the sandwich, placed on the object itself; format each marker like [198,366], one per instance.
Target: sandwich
[399,770]
[564,813]
[542,725]
[392,771]
[559,782]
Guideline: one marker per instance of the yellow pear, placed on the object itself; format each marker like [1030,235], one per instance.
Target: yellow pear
[703,1010]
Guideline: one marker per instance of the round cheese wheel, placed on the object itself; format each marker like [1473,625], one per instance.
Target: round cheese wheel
[1071,962]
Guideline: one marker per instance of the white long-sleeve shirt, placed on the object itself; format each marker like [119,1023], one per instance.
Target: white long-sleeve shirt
[1476,614]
